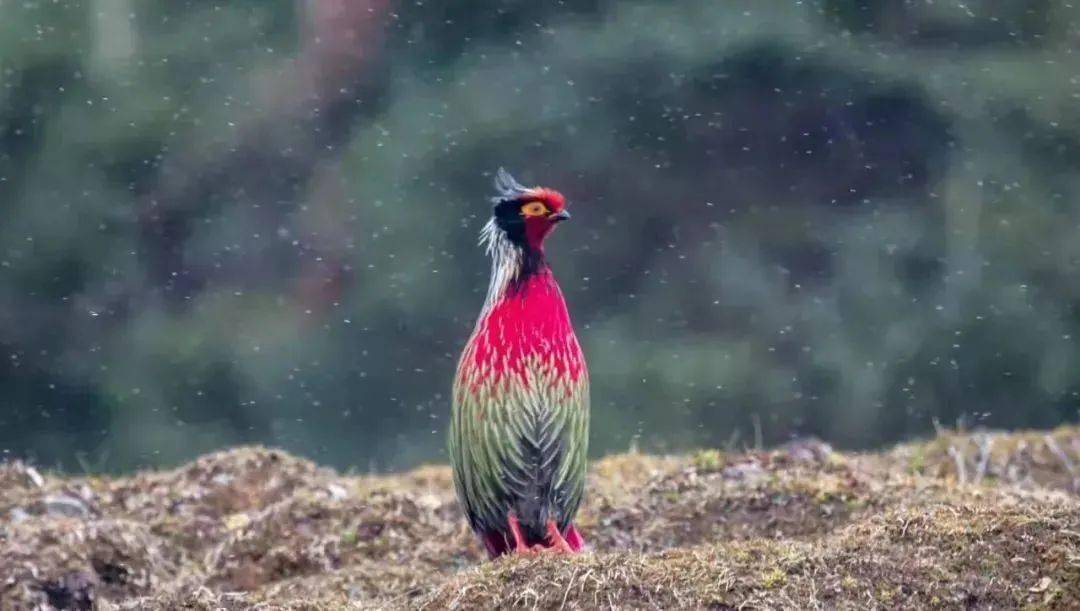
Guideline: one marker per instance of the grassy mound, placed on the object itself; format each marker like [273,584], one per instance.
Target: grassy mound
[964,520]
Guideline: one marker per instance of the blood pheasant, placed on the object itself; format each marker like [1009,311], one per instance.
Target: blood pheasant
[520,420]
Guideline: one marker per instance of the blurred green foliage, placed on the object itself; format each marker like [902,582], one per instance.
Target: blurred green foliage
[255,221]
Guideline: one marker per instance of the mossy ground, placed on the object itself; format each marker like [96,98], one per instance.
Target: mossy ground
[964,520]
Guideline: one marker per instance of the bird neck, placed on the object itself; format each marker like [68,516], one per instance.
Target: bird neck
[514,267]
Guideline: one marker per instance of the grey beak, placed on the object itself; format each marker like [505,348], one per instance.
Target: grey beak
[560,216]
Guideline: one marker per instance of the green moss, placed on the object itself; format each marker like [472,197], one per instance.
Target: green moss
[774,578]
[707,460]
[348,537]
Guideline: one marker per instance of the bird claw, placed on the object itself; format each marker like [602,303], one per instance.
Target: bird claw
[537,550]
[556,543]
[556,540]
[520,546]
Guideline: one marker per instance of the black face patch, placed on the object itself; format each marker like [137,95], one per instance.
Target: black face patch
[508,217]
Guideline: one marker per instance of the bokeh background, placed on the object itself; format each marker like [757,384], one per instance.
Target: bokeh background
[255,221]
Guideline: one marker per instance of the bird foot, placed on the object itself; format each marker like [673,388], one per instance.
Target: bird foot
[556,541]
[520,547]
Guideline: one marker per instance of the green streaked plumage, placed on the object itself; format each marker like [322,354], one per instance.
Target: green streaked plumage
[520,448]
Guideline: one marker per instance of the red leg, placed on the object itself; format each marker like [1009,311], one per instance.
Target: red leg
[556,541]
[574,538]
[519,539]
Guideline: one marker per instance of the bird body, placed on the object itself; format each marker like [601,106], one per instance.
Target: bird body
[520,414]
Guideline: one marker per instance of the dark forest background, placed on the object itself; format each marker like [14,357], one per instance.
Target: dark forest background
[256,220]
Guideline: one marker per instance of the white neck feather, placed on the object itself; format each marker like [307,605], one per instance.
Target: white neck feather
[506,261]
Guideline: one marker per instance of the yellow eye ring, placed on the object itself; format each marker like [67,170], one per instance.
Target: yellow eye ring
[534,209]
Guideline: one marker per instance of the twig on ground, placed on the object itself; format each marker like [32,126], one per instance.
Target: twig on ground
[1064,458]
[961,467]
[986,443]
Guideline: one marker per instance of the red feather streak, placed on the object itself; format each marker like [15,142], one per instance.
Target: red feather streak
[529,325]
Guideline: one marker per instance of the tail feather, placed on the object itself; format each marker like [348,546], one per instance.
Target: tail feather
[495,543]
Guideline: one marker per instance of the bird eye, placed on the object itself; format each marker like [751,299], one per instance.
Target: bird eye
[534,209]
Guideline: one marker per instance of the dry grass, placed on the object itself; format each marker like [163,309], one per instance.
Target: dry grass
[957,521]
